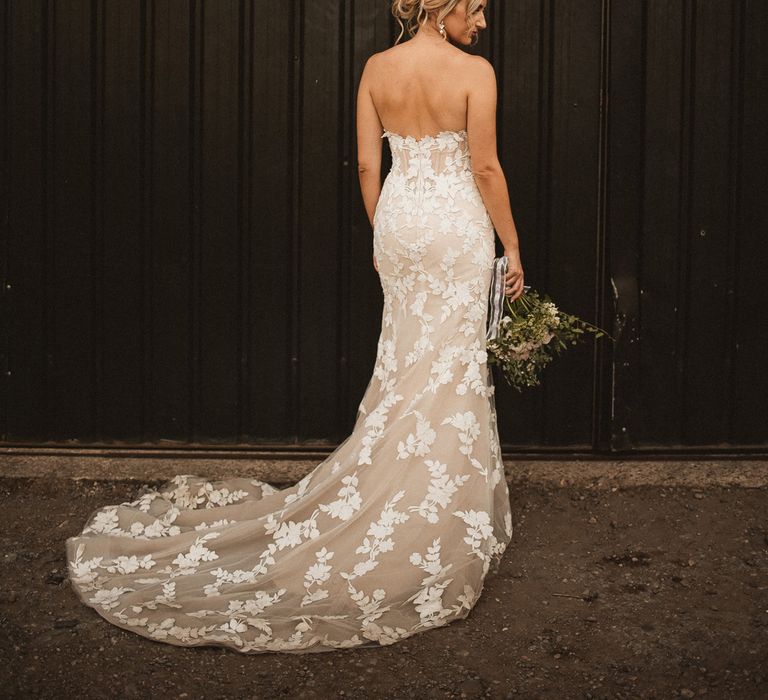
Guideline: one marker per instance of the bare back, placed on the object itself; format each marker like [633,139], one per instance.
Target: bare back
[421,90]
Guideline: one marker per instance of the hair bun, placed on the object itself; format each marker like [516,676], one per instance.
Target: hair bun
[415,12]
[405,9]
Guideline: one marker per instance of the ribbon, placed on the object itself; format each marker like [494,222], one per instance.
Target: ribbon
[496,296]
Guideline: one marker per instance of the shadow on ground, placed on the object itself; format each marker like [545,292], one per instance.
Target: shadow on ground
[616,592]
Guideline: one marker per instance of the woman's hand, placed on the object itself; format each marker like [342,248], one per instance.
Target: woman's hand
[375,264]
[514,280]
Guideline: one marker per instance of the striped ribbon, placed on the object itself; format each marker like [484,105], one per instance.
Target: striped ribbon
[496,296]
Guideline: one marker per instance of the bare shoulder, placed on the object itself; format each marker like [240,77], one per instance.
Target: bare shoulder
[379,58]
[372,62]
[383,66]
[378,65]
[482,69]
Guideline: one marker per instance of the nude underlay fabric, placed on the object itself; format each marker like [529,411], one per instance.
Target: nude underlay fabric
[395,531]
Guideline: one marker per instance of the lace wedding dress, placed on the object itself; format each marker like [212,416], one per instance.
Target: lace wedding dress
[395,531]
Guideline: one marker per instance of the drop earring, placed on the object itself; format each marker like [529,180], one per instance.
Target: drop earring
[441,26]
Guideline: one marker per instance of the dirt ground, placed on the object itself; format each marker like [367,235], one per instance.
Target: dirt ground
[612,592]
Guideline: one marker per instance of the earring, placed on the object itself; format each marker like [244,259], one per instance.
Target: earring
[441,26]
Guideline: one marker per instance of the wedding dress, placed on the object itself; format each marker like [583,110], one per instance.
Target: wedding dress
[395,531]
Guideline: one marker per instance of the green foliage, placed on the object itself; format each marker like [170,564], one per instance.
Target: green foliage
[531,332]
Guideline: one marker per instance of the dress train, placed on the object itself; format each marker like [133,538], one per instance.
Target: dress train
[394,532]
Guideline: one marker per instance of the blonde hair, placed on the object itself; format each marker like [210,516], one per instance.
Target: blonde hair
[416,12]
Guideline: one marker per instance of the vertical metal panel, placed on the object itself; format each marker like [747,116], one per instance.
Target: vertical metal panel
[4,209]
[676,190]
[749,103]
[523,72]
[624,197]
[550,148]
[709,263]
[170,162]
[73,251]
[573,211]
[186,256]
[660,218]
[217,280]
[117,143]
[321,133]
[272,61]
[23,377]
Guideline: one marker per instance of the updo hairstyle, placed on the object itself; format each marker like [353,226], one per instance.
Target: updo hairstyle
[416,12]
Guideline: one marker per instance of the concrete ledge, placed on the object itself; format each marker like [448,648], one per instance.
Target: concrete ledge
[596,474]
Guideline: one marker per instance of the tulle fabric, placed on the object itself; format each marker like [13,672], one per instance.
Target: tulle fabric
[395,531]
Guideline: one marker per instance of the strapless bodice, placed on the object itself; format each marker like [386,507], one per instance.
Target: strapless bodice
[435,154]
[440,140]
[429,208]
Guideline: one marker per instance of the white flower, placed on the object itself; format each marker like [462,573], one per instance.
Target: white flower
[234,626]
[127,565]
[288,535]
[105,521]
[107,598]
[317,573]
[420,443]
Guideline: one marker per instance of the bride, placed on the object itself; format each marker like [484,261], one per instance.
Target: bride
[395,531]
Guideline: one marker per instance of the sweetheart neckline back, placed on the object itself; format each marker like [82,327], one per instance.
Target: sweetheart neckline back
[436,136]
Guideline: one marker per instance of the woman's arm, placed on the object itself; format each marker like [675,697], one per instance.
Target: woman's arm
[369,130]
[481,136]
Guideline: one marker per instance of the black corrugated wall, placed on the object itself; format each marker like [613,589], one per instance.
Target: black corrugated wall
[186,258]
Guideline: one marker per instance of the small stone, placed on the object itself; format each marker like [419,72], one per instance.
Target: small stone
[687,693]
[65,622]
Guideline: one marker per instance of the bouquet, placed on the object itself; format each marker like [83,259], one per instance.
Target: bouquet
[524,335]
